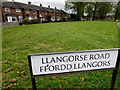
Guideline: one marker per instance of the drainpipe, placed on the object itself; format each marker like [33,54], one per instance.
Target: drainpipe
[3,17]
[38,15]
[23,13]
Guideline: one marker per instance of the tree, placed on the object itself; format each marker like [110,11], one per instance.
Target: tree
[117,14]
[103,8]
[98,9]
[77,7]
[94,11]
[89,10]
[80,10]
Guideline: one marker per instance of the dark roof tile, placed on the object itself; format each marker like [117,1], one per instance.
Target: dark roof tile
[39,8]
[26,6]
[10,5]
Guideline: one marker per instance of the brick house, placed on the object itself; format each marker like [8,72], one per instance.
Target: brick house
[11,12]
[28,10]
[17,12]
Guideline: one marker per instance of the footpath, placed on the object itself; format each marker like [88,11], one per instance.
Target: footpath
[119,25]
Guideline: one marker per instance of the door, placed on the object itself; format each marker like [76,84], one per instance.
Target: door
[20,19]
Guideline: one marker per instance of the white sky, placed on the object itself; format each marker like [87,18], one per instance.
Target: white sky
[53,3]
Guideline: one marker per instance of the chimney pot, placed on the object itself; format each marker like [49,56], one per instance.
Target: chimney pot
[40,5]
[48,6]
[29,2]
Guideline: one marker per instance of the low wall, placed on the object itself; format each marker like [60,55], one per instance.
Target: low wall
[10,24]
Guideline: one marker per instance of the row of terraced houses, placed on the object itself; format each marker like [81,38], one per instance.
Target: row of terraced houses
[17,12]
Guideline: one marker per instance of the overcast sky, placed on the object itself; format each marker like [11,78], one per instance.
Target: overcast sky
[53,3]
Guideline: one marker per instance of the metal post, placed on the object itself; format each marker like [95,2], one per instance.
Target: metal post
[114,75]
[34,84]
[32,78]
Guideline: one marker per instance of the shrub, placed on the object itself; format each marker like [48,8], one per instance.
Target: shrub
[35,20]
[63,19]
[26,21]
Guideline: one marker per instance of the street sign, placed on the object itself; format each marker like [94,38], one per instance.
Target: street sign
[77,61]
[65,62]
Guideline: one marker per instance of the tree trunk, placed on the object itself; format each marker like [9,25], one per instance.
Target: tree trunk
[94,13]
[80,10]
[116,12]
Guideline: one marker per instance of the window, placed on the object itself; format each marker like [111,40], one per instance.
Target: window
[7,9]
[34,12]
[27,11]
[11,19]
[18,10]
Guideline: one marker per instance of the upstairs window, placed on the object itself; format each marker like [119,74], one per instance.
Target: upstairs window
[34,12]
[18,10]
[7,9]
[27,11]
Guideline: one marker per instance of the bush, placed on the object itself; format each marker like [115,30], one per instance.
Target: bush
[35,20]
[63,19]
[26,21]
[56,20]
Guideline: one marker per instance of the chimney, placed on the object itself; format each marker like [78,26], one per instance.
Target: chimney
[48,6]
[55,8]
[29,2]
[40,5]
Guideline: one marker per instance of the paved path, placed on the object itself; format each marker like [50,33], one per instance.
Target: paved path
[119,25]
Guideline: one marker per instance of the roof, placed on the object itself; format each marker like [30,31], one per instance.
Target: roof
[26,6]
[10,14]
[10,5]
[63,11]
[39,8]
[49,9]
[31,7]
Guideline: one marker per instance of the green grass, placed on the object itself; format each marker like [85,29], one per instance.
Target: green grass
[56,37]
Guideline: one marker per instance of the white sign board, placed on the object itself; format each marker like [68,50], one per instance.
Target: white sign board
[63,62]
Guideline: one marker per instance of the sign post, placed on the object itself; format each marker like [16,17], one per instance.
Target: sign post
[117,64]
[71,62]
[32,78]
[33,83]
[114,75]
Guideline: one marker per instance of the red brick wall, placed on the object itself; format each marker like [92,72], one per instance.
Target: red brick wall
[23,13]
[42,13]
[30,12]
[12,10]
[3,10]
[1,14]
[34,14]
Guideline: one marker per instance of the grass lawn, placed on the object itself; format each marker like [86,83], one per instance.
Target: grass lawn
[56,37]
